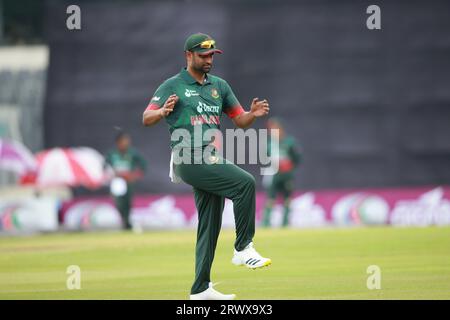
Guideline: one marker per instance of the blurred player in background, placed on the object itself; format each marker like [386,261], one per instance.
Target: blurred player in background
[283,181]
[195,99]
[129,166]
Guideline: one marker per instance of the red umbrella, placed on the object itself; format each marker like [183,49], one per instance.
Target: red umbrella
[71,167]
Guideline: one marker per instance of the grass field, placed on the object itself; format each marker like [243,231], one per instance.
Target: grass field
[307,264]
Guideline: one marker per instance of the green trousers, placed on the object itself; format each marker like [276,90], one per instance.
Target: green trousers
[281,183]
[123,205]
[212,183]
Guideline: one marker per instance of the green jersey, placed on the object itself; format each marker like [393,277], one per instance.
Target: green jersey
[126,162]
[200,106]
[287,155]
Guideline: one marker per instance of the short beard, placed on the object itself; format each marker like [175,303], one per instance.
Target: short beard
[200,69]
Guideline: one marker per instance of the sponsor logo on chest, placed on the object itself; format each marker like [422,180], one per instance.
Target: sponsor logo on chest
[191,93]
[202,107]
[205,119]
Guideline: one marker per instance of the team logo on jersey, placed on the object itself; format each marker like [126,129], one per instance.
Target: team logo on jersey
[214,93]
[190,93]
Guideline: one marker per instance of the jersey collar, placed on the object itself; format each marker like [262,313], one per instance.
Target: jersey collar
[189,79]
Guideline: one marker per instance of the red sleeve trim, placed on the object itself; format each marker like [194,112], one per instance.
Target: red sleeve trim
[152,106]
[234,111]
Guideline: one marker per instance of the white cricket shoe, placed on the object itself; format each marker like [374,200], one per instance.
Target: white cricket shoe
[211,294]
[250,258]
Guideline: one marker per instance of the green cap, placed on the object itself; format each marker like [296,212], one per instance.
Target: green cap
[201,43]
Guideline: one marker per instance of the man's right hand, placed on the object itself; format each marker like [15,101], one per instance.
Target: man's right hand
[168,106]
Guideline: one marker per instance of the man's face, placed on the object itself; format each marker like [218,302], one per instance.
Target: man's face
[279,132]
[200,63]
[123,143]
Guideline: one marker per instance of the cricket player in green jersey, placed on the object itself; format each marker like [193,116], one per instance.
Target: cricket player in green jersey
[128,166]
[283,181]
[194,99]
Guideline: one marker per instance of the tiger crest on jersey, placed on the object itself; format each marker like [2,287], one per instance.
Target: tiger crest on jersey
[214,93]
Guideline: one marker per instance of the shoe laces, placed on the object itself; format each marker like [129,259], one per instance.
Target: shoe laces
[250,249]
[211,285]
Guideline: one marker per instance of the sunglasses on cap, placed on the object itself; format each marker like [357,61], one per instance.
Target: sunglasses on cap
[207,44]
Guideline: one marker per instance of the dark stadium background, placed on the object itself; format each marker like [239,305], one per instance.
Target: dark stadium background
[370,108]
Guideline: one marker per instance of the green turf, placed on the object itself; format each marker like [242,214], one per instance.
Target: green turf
[307,264]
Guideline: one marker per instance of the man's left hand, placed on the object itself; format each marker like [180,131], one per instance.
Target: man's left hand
[259,108]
